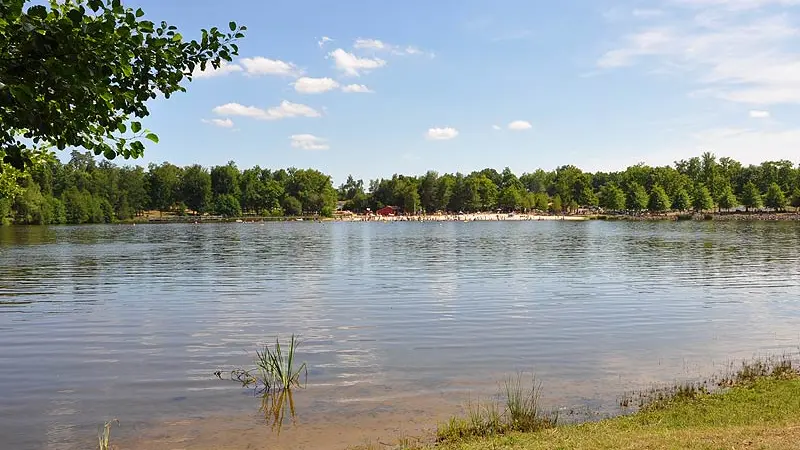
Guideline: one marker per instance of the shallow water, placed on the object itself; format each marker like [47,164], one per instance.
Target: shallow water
[399,320]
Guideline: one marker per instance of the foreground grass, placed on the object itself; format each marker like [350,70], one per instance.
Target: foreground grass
[764,414]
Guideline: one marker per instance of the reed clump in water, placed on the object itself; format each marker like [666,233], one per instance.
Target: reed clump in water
[276,373]
[276,369]
[520,411]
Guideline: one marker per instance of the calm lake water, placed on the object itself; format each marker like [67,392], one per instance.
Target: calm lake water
[99,322]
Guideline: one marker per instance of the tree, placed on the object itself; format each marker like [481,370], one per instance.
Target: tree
[727,200]
[487,192]
[795,199]
[134,196]
[637,197]
[542,202]
[427,191]
[444,192]
[225,179]
[227,205]
[76,208]
[292,206]
[775,198]
[556,207]
[313,188]
[77,77]
[659,200]
[612,198]
[510,198]
[249,186]
[681,200]
[751,197]
[702,200]
[195,188]
[407,196]
[163,182]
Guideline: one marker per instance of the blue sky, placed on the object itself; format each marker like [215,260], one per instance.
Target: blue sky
[377,87]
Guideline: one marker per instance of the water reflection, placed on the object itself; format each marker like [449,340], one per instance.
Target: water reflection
[274,407]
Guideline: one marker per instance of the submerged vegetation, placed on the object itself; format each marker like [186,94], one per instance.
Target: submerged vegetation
[84,191]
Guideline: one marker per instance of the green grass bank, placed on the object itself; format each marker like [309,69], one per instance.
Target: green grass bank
[755,407]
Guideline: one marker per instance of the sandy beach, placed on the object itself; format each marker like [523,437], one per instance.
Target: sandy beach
[473,217]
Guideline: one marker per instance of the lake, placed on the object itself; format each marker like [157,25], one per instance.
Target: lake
[399,322]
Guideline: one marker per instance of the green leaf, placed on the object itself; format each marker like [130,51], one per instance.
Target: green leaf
[75,16]
[122,128]
[152,137]
[139,12]
[21,92]
[232,26]
[38,11]
[136,127]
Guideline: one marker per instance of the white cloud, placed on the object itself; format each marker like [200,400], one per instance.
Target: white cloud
[353,65]
[758,114]
[223,123]
[265,66]
[357,88]
[736,50]
[308,85]
[376,45]
[372,44]
[308,142]
[441,134]
[284,110]
[496,127]
[224,69]
[519,125]
[324,40]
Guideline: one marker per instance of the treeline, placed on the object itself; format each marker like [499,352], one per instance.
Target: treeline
[700,184]
[85,191]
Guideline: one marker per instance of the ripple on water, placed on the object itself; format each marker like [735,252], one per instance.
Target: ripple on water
[117,321]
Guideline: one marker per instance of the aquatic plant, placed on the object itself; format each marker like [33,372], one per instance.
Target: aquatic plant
[104,434]
[278,370]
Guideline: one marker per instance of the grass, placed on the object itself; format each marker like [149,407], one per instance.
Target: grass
[755,406]
[521,413]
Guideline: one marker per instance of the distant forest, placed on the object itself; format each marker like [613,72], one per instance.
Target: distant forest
[85,191]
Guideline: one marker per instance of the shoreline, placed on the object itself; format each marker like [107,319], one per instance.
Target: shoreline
[489,217]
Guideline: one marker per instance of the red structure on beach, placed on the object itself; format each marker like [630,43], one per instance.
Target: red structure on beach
[387,211]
